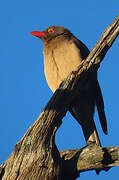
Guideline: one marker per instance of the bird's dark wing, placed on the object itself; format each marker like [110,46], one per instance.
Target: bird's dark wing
[98,94]
[82,108]
[89,98]
[84,51]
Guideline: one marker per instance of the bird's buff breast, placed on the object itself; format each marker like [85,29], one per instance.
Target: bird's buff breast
[59,61]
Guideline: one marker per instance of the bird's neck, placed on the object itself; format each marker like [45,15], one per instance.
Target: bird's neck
[56,41]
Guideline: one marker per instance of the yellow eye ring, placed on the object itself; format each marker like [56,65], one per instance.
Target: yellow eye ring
[51,30]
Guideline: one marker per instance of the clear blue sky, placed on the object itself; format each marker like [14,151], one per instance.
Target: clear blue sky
[24,91]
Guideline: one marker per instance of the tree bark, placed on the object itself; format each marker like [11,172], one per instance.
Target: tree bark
[91,157]
[36,157]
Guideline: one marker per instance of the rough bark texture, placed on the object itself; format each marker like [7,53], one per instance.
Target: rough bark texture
[91,157]
[36,157]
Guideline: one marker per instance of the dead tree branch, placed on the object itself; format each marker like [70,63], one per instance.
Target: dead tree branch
[91,157]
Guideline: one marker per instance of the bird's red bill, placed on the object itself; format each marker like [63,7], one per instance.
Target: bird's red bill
[38,33]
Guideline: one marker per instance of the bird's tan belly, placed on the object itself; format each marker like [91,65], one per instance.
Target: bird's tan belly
[51,73]
[59,62]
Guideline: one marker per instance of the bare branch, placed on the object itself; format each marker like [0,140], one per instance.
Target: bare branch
[91,157]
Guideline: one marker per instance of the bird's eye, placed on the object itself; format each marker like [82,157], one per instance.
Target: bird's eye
[51,31]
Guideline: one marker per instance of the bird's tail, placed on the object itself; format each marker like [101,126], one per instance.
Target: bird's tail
[100,108]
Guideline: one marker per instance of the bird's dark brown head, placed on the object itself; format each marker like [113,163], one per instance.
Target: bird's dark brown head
[51,32]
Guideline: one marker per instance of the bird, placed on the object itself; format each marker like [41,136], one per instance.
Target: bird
[63,53]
